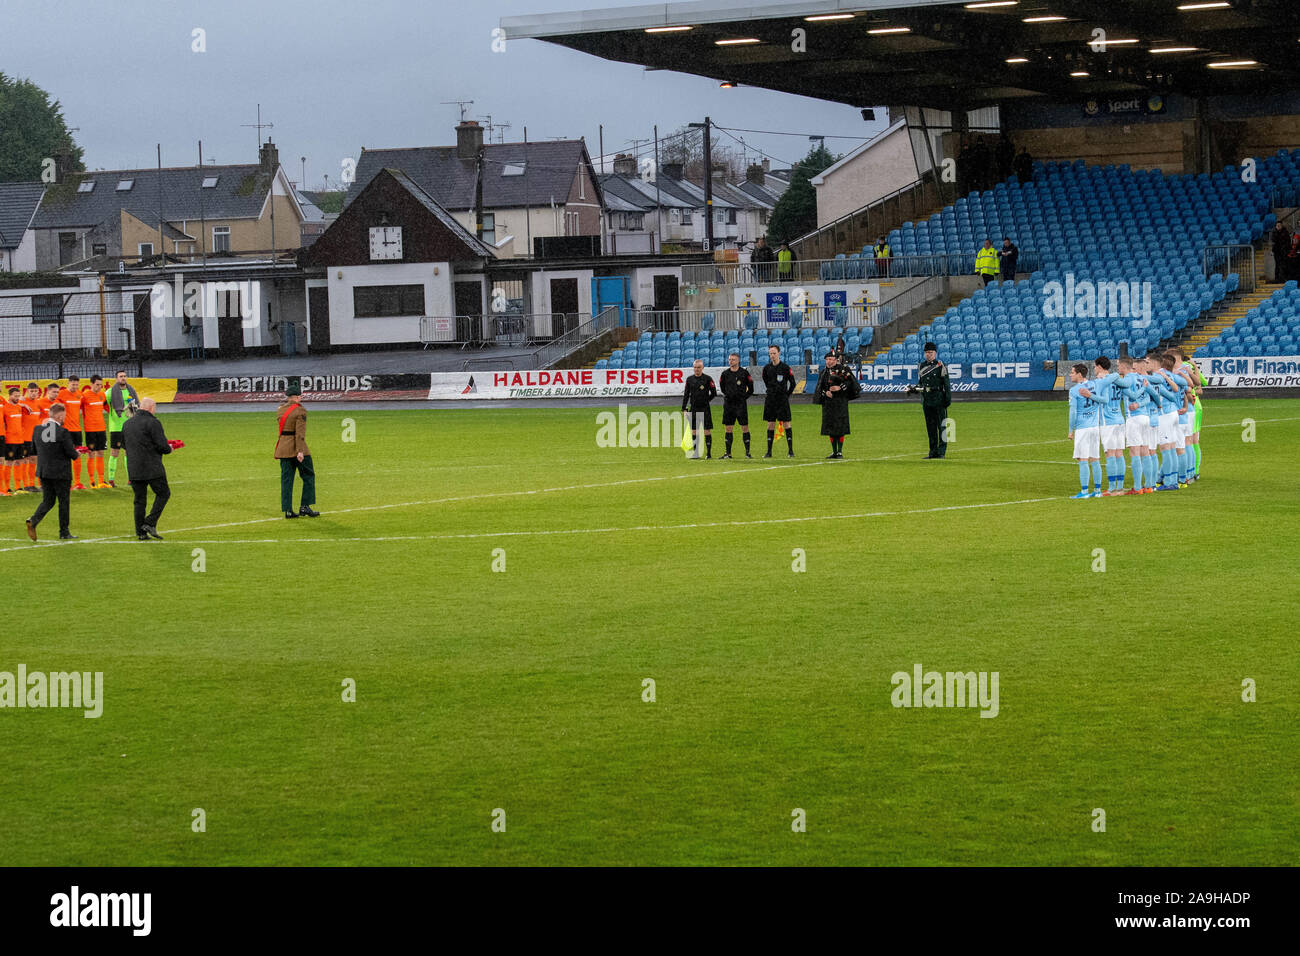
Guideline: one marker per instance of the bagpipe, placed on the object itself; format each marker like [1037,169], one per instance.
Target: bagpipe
[848,365]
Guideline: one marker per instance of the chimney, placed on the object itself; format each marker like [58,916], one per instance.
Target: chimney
[624,165]
[673,170]
[268,157]
[754,174]
[767,165]
[469,139]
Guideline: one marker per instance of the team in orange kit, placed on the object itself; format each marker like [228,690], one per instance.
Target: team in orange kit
[70,398]
[92,415]
[23,411]
[31,418]
[13,434]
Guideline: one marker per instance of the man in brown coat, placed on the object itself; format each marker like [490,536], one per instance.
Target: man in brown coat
[291,449]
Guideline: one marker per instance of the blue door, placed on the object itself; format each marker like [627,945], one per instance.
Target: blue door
[616,291]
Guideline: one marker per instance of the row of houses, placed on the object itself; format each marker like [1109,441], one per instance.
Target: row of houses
[519,199]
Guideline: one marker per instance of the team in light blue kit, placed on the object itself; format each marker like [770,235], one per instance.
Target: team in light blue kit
[1144,405]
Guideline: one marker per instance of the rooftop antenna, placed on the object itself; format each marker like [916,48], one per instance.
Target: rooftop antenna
[463,104]
[501,138]
[259,126]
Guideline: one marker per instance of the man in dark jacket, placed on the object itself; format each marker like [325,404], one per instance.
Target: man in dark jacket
[55,453]
[145,445]
[761,259]
[834,392]
[1009,255]
[1281,237]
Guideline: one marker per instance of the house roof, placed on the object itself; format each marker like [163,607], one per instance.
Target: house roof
[18,204]
[848,157]
[514,174]
[442,215]
[759,192]
[240,193]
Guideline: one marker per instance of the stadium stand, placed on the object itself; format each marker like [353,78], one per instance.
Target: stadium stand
[1097,223]
[1273,328]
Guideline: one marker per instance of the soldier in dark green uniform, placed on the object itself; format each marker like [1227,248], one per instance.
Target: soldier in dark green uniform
[936,395]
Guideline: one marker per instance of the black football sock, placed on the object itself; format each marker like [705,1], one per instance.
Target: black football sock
[789,438]
[745,435]
[728,437]
[769,443]
[708,444]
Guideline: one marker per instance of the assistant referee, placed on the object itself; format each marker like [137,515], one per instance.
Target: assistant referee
[778,379]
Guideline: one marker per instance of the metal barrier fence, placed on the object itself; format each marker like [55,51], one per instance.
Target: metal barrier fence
[846,268]
[867,224]
[574,339]
[726,320]
[511,329]
[1227,259]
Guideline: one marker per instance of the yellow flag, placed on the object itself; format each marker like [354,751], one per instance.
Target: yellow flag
[780,430]
[687,442]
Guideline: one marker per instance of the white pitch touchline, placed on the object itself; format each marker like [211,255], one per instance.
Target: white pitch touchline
[574,531]
[458,498]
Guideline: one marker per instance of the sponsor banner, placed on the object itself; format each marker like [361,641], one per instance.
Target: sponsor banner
[1152,105]
[964,376]
[320,388]
[575,383]
[814,298]
[161,390]
[1261,371]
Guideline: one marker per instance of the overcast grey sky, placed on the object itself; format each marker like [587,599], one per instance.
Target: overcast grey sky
[336,75]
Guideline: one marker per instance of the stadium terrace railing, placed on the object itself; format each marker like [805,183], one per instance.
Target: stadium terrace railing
[868,223]
[727,320]
[1227,259]
[511,329]
[569,342]
[847,268]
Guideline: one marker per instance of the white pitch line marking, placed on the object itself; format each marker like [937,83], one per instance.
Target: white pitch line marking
[577,531]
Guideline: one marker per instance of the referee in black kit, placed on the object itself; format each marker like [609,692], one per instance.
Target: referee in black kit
[699,391]
[778,379]
[737,386]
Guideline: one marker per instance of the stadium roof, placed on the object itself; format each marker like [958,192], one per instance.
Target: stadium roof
[949,54]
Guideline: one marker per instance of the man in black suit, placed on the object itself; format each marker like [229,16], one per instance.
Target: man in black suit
[145,445]
[55,453]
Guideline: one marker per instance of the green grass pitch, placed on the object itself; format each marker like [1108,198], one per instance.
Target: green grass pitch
[522,690]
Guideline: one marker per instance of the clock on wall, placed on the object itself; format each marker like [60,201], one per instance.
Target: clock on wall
[385,242]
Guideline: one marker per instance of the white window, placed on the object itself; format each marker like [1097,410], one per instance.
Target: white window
[85,186]
[582,184]
[220,238]
[490,228]
[210,182]
[145,249]
[513,169]
[124,185]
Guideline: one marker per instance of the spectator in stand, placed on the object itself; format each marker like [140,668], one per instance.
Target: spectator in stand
[987,265]
[1293,259]
[1024,166]
[1281,246]
[761,259]
[1006,157]
[982,160]
[785,260]
[882,253]
[1010,255]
